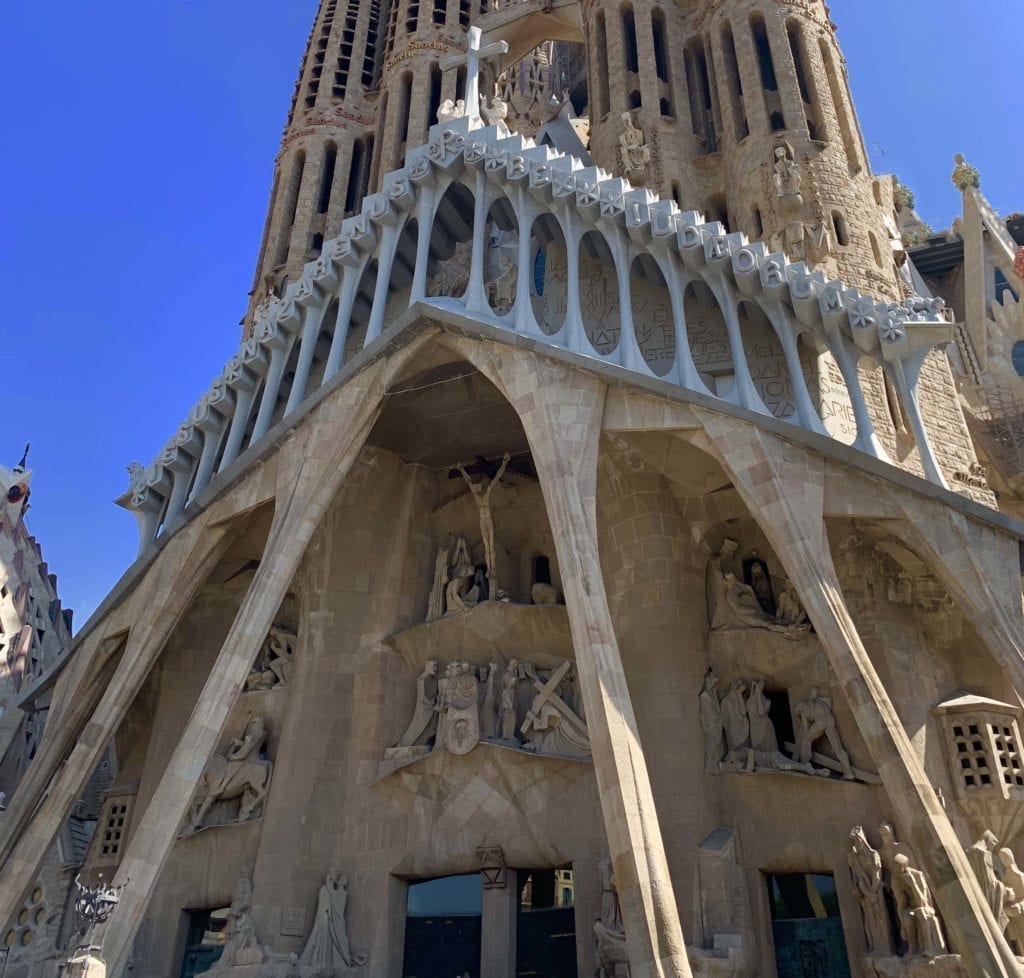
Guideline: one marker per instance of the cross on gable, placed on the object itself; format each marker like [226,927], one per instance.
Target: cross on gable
[474,57]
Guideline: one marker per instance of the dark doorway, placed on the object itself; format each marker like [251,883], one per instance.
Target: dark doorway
[207,931]
[546,924]
[806,927]
[442,927]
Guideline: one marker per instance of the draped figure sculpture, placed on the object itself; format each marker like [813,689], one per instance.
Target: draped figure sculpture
[328,945]
[866,870]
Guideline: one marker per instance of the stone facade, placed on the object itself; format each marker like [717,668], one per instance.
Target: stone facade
[552,538]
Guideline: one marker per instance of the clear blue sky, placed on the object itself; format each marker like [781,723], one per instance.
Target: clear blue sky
[140,143]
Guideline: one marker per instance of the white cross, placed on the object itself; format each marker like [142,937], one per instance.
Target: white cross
[472,59]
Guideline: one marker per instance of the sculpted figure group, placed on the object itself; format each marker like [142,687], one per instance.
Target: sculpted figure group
[734,603]
[740,736]
[1003,885]
[518,706]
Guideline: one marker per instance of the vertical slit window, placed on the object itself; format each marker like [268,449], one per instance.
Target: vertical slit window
[439,11]
[629,39]
[463,14]
[699,85]
[435,94]
[412,16]
[764,53]
[661,63]
[839,223]
[403,107]
[840,107]
[375,157]
[291,205]
[366,169]
[812,104]
[734,82]
[355,177]
[460,83]
[371,51]
[392,26]
[757,226]
[600,66]
[327,177]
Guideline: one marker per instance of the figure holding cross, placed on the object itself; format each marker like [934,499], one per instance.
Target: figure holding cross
[474,57]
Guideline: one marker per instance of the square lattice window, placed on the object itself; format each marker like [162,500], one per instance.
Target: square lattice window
[983,739]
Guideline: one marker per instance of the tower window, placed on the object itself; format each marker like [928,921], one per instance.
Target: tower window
[764,53]
[734,82]
[842,234]
[805,80]
[439,11]
[777,122]
[463,14]
[756,224]
[661,64]
[599,67]
[838,91]
[629,39]
[412,16]
[327,177]
[435,94]
[699,85]
[403,109]
[355,174]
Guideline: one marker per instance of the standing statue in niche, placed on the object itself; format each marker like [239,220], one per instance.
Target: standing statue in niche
[507,710]
[815,720]
[240,773]
[918,918]
[755,573]
[440,585]
[461,593]
[634,153]
[425,715]
[788,608]
[612,953]
[328,945]
[786,175]
[762,730]
[482,498]
[866,869]
[1013,877]
[711,722]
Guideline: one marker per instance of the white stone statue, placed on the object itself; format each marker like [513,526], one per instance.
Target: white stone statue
[238,774]
[494,112]
[815,720]
[997,893]
[449,109]
[328,945]
[1013,878]
[425,715]
[734,716]
[441,567]
[918,919]
[551,725]
[610,932]
[788,608]
[482,498]
[762,730]
[711,722]
[273,665]
[866,870]
[634,153]
[786,177]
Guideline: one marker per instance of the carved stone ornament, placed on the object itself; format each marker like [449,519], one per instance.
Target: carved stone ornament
[610,932]
[274,663]
[327,946]
[634,153]
[238,776]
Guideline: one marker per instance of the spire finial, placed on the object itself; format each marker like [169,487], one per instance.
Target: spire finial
[24,458]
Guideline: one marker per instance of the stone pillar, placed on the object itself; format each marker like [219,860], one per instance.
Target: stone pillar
[313,465]
[783,486]
[73,744]
[498,930]
[561,412]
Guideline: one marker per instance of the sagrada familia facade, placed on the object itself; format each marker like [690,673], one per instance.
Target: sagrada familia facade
[600,558]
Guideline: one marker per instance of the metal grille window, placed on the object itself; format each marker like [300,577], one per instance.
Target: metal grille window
[983,743]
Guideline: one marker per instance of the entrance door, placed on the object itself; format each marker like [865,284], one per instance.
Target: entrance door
[546,924]
[442,928]
[205,942]
[806,927]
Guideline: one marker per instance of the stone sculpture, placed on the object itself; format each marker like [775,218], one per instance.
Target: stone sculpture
[424,717]
[733,604]
[788,608]
[545,594]
[786,176]
[473,703]
[449,109]
[240,773]
[762,730]
[273,666]
[634,153]
[482,498]
[866,869]
[461,593]
[327,946]
[441,569]
[918,919]
[711,722]
[501,293]
[965,175]
[734,716]
[551,725]
[997,893]
[815,720]
[1013,878]
[755,573]
[610,932]
[495,112]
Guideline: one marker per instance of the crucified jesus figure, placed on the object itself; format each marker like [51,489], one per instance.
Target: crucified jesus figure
[482,498]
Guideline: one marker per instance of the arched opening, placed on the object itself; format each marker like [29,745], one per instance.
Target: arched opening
[763,50]
[402,119]
[412,16]
[839,106]
[842,233]
[777,121]
[435,93]
[634,101]
[766,361]
[599,67]
[662,66]
[327,177]
[355,173]
[756,224]
[677,194]
[599,293]
[709,339]
[541,569]
[734,82]
[698,83]
[440,9]
[450,251]
[549,278]
[716,208]
[378,142]
[629,39]
[291,204]
[653,323]
[316,243]
[371,52]
[501,257]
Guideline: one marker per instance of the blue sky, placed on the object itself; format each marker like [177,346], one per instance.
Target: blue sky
[140,143]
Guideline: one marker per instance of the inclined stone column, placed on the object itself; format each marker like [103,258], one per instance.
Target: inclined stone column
[561,412]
